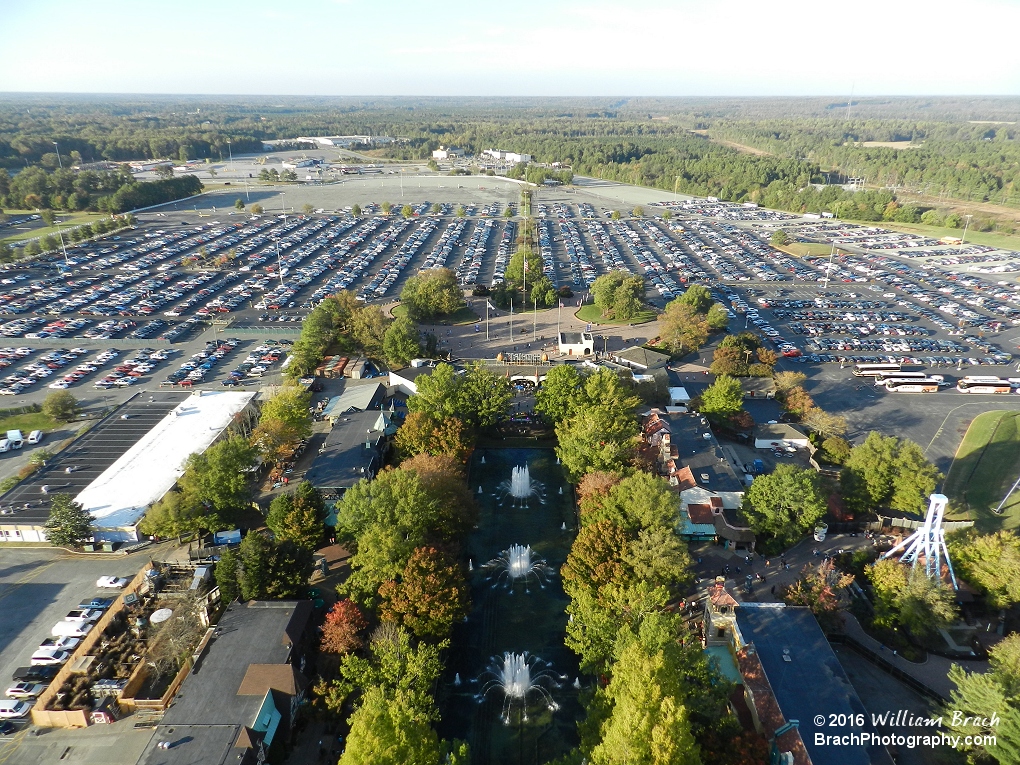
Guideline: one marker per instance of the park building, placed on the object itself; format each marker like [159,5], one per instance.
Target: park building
[507,157]
[447,152]
[786,676]
[576,343]
[126,462]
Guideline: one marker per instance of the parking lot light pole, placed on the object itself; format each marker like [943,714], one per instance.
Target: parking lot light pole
[61,164]
[230,152]
[962,238]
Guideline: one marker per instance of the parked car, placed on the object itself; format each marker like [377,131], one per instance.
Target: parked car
[112,582]
[34,673]
[14,708]
[100,603]
[25,690]
[83,615]
[71,629]
[50,656]
[64,643]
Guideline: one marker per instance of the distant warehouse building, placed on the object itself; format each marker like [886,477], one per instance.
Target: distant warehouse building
[509,157]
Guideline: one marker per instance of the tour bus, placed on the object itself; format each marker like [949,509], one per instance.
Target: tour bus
[983,384]
[870,370]
[913,385]
[883,377]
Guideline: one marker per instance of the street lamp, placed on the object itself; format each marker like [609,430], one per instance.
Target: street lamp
[964,237]
[230,152]
[61,164]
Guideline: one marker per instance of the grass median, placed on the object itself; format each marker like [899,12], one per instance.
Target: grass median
[986,466]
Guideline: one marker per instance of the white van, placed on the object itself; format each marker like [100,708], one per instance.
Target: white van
[17,440]
[5,445]
[35,436]
[13,708]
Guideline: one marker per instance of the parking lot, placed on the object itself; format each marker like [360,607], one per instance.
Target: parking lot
[38,587]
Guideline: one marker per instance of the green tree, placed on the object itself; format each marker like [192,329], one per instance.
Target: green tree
[992,562]
[723,398]
[402,342]
[269,570]
[667,215]
[717,317]
[428,598]
[307,208]
[383,521]
[484,396]
[824,424]
[926,605]
[618,294]
[638,212]
[682,328]
[257,209]
[297,517]
[238,204]
[432,293]
[69,524]
[602,435]
[785,503]
[556,396]
[514,274]
[639,501]
[779,238]
[887,471]
[386,208]
[226,576]
[422,434]
[438,393]
[48,216]
[61,405]
[647,707]
[407,212]
[987,704]
[219,480]
[888,579]
[368,328]
[174,515]
[387,730]
[697,297]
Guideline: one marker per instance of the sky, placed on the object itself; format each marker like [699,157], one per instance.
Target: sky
[523,48]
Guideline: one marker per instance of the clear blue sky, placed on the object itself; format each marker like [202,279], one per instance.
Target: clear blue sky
[528,47]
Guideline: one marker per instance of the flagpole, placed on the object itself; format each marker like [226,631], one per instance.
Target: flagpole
[486,319]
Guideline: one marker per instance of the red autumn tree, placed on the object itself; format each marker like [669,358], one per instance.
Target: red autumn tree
[429,596]
[341,632]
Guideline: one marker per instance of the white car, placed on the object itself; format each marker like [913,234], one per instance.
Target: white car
[71,629]
[112,582]
[14,708]
[63,643]
[46,656]
[25,690]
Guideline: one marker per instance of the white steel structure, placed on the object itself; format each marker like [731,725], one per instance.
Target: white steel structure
[928,541]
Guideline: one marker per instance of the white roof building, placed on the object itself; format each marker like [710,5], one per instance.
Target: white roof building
[119,497]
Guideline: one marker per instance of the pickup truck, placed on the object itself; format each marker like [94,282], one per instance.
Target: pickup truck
[96,603]
[83,615]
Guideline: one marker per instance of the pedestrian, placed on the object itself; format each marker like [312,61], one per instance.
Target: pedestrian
[766,563]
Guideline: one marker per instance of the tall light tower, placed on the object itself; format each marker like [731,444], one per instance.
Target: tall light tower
[59,163]
[928,541]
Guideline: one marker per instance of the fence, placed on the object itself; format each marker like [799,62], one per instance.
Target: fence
[911,524]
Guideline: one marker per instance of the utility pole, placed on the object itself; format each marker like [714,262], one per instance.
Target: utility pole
[964,237]
[59,163]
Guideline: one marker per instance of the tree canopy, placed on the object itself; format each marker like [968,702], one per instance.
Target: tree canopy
[432,293]
[69,524]
[619,295]
[785,503]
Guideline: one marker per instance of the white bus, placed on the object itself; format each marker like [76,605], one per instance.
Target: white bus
[883,377]
[870,370]
[913,385]
[983,384]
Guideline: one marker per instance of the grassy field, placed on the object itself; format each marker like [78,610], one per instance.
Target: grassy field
[992,239]
[66,220]
[592,314]
[462,316]
[26,423]
[800,249]
[986,465]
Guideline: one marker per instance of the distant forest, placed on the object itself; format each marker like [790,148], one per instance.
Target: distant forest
[789,153]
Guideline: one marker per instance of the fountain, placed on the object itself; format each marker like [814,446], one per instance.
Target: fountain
[520,488]
[456,679]
[479,489]
[515,674]
[519,563]
[483,459]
